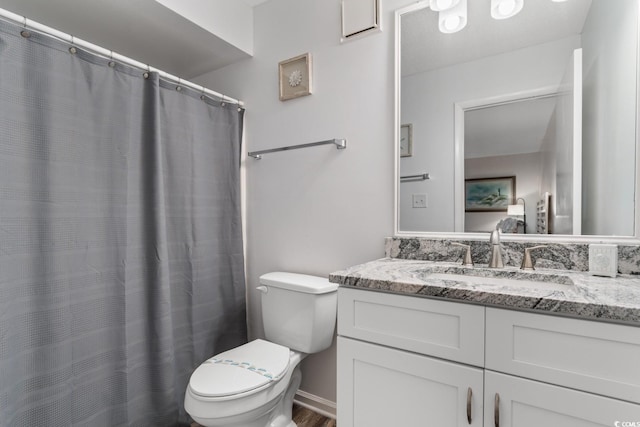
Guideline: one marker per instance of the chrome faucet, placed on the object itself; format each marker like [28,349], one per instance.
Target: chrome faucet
[495,257]
[466,261]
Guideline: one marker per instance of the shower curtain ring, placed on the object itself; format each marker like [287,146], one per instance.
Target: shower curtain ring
[179,88]
[111,61]
[73,49]
[202,96]
[147,73]
[222,104]
[24,33]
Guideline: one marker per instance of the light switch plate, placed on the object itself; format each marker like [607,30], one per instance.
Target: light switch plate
[603,260]
[420,201]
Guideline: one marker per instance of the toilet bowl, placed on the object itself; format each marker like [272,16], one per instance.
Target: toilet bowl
[254,385]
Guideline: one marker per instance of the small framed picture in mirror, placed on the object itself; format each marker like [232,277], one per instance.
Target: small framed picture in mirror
[406,140]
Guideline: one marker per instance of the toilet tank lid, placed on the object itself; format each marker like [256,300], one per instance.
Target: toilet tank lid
[298,282]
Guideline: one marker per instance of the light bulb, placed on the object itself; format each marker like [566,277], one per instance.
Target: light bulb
[503,9]
[506,7]
[440,5]
[451,22]
[454,19]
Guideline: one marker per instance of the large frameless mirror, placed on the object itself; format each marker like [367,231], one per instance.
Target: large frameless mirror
[526,123]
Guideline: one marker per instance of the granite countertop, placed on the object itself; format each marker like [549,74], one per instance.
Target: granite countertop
[568,293]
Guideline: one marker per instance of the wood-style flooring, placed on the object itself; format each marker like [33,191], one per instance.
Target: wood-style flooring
[304,417]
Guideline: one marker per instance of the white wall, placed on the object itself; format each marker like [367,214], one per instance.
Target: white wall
[526,169]
[315,210]
[610,55]
[428,103]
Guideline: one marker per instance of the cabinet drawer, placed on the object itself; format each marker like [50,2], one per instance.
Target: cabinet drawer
[597,357]
[382,387]
[437,328]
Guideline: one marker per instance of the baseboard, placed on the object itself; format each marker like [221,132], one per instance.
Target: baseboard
[317,404]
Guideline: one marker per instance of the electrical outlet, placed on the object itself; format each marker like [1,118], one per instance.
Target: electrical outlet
[420,201]
[603,260]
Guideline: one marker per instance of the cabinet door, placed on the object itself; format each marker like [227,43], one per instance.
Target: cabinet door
[382,387]
[527,403]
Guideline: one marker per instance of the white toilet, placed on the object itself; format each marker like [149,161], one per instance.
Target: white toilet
[253,385]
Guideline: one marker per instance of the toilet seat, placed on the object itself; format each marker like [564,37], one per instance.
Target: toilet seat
[251,366]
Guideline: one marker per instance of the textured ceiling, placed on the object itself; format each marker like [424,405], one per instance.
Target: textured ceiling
[501,130]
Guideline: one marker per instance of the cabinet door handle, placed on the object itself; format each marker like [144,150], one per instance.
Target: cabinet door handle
[469,394]
[496,411]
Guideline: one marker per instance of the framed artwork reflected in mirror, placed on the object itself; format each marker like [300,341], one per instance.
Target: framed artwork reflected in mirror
[489,194]
[406,140]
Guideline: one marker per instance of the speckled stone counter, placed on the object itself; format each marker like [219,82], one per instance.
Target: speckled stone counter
[568,293]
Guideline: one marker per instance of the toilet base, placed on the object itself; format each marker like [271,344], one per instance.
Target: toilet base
[285,407]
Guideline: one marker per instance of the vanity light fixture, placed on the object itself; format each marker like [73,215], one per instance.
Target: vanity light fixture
[440,5]
[452,14]
[503,9]
[453,19]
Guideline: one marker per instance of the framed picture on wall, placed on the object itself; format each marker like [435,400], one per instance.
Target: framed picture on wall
[295,77]
[489,194]
[406,140]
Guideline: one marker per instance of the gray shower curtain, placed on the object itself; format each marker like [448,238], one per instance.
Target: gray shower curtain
[121,259]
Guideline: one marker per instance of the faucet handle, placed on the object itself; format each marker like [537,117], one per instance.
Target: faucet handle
[467,261]
[527,264]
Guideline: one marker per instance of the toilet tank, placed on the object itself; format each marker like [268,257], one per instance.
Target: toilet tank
[299,311]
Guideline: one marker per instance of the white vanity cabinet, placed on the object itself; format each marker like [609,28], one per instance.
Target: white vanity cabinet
[385,377]
[411,361]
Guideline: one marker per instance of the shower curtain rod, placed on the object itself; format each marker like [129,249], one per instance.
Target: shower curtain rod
[19,19]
